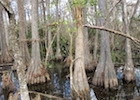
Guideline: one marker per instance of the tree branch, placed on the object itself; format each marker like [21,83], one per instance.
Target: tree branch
[47,95]
[137,41]
[134,11]
[6,6]
[108,15]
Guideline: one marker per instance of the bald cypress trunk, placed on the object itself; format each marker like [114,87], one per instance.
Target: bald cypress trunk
[89,63]
[5,56]
[80,87]
[50,49]
[58,55]
[129,74]
[22,33]
[105,73]
[36,72]
[14,45]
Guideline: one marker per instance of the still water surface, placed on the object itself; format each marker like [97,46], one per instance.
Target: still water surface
[60,86]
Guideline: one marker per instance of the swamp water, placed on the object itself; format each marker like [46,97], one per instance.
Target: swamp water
[60,86]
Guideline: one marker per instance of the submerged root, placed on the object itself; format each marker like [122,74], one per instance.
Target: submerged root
[6,58]
[37,75]
[13,97]
[105,78]
[80,94]
[7,83]
[111,83]
[129,75]
[9,88]
[98,81]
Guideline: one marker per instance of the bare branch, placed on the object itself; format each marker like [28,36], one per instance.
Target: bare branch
[49,47]
[107,17]
[137,41]
[5,4]
[134,11]
[31,40]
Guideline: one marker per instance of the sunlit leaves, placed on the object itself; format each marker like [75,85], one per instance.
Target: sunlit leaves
[79,3]
[82,3]
[49,65]
[97,14]
[66,22]
[70,29]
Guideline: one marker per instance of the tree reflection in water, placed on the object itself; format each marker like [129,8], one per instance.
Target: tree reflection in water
[60,86]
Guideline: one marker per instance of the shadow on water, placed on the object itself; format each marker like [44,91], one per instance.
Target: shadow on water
[60,86]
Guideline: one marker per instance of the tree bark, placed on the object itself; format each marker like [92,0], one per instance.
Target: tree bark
[44,11]
[58,55]
[89,63]
[105,73]
[18,61]
[5,56]
[80,87]
[36,72]
[49,31]
[22,33]
[96,38]
[129,74]
[6,23]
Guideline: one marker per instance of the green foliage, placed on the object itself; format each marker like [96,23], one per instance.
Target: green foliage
[64,45]
[97,14]
[17,30]
[69,29]
[41,31]
[111,98]
[91,32]
[42,50]
[93,2]
[49,65]
[66,22]
[54,45]
[49,17]
[29,36]
[55,23]
[79,3]
[118,56]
